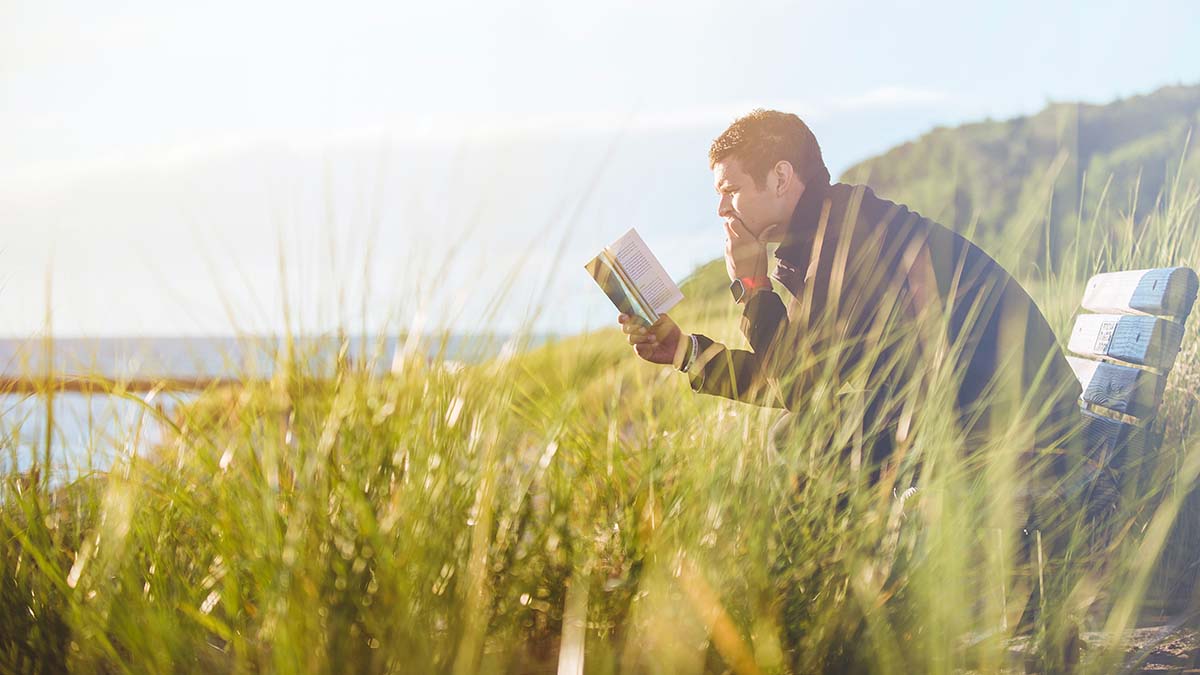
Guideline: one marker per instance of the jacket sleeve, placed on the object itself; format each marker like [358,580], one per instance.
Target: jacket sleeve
[740,374]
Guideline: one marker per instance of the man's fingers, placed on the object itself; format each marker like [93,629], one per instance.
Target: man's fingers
[642,338]
[737,229]
[645,350]
[662,327]
[630,323]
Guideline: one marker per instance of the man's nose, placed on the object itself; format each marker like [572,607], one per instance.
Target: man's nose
[725,207]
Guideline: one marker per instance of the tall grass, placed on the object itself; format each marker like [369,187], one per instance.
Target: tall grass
[575,503]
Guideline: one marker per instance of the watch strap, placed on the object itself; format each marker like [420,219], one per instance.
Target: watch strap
[690,357]
[741,287]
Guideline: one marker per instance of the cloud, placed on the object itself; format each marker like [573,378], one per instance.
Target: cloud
[695,117]
[881,98]
[891,97]
[22,51]
[453,129]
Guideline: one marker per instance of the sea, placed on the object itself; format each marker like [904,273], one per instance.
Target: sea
[89,431]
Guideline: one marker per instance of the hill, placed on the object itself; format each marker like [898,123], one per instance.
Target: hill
[994,178]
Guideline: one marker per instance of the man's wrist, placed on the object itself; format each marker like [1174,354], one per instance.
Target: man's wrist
[751,292]
[743,288]
[691,346]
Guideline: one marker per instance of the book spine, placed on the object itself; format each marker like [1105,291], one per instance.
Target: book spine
[633,289]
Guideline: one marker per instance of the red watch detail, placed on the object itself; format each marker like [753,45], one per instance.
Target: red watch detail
[755,283]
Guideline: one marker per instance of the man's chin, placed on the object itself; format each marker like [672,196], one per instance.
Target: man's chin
[769,235]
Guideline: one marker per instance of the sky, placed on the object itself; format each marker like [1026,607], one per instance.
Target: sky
[209,168]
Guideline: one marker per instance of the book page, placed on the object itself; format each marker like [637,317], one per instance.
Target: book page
[645,272]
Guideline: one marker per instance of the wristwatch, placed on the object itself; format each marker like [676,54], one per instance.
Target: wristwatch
[741,288]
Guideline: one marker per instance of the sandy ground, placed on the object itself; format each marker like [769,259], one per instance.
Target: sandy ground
[1169,648]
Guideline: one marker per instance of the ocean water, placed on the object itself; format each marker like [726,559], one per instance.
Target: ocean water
[89,431]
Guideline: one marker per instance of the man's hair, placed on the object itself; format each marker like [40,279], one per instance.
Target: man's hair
[762,138]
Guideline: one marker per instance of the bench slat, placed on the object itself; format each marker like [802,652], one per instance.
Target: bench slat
[1084,369]
[1168,291]
[1110,442]
[1131,391]
[1142,340]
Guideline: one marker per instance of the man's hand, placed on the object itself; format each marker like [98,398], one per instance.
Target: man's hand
[660,343]
[745,254]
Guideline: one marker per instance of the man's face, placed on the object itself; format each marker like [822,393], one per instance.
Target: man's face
[741,198]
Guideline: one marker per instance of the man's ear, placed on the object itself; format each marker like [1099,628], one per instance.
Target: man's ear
[785,175]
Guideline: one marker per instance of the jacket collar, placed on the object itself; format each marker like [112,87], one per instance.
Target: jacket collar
[802,228]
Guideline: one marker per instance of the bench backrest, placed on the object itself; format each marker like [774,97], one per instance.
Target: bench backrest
[1126,349]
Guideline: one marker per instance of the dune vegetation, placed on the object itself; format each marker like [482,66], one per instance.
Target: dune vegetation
[571,505]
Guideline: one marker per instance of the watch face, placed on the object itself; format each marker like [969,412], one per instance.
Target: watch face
[737,289]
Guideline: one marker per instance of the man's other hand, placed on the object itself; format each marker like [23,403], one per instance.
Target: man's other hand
[745,254]
[660,343]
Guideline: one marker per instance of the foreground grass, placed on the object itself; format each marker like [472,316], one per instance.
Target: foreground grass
[575,502]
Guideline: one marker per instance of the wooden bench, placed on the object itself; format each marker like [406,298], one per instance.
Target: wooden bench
[1127,347]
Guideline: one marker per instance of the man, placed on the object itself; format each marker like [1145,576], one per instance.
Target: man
[883,302]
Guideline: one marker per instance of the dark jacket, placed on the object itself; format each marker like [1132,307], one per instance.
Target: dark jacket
[900,297]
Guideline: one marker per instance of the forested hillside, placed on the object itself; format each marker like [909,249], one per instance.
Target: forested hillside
[994,178]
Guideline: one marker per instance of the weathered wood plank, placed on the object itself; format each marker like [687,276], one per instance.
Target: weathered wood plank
[1142,340]
[1165,291]
[1085,369]
[1131,391]
[1110,442]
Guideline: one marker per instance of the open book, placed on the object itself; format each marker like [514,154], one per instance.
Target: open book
[633,279]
